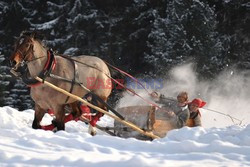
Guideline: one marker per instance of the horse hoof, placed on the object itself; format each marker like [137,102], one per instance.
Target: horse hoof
[58,125]
[54,130]
[92,133]
[35,126]
[92,130]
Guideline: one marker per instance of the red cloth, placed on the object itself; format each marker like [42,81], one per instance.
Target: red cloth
[51,126]
[95,119]
[86,112]
[68,118]
[50,112]
[199,102]
[48,127]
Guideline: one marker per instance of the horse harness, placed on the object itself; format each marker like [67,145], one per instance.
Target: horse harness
[47,72]
[48,68]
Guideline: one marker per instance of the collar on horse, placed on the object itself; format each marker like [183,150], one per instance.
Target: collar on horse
[49,66]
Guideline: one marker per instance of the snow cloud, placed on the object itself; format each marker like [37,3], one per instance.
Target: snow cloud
[228,93]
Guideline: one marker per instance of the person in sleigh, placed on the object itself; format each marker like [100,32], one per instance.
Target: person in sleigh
[195,115]
[180,110]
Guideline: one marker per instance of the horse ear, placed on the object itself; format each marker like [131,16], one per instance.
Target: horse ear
[25,33]
[33,35]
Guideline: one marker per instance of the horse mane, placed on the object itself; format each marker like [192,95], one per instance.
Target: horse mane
[36,35]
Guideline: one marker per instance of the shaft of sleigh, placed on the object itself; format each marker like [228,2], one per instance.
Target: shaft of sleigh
[129,124]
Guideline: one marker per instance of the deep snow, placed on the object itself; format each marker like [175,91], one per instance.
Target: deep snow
[20,145]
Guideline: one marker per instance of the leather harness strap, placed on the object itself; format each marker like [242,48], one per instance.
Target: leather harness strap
[75,80]
[49,66]
[76,77]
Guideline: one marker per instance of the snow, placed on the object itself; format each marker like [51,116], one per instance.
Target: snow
[70,51]
[20,145]
[46,25]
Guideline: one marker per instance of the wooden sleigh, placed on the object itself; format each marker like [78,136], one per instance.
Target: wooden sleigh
[147,118]
[127,122]
[140,122]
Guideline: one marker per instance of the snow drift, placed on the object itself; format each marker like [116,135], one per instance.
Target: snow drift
[20,145]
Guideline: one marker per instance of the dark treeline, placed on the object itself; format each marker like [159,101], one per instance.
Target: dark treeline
[142,37]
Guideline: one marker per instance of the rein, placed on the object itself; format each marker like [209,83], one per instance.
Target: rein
[50,65]
[231,117]
[127,74]
[122,85]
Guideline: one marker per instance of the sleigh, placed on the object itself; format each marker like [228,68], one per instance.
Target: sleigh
[147,118]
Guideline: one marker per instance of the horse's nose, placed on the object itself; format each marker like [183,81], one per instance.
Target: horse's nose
[14,68]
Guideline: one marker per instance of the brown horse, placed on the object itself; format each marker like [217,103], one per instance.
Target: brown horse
[31,58]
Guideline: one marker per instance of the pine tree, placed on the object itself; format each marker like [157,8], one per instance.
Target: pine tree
[186,33]
[3,83]
[131,24]
[139,36]
[88,27]
[14,18]
[19,97]
[233,26]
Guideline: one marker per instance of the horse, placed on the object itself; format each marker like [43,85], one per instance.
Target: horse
[32,58]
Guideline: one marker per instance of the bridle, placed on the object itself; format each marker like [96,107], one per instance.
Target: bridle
[20,69]
[26,58]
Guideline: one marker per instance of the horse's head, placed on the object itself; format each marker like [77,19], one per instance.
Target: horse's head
[23,53]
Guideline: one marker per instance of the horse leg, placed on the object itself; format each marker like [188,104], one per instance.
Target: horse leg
[76,113]
[96,118]
[60,116]
[38,116]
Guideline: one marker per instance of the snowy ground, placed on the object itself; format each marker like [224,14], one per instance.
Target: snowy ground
[20,145]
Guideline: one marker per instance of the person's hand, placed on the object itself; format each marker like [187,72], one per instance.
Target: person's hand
[154,95]
[167,112]
[170,113]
